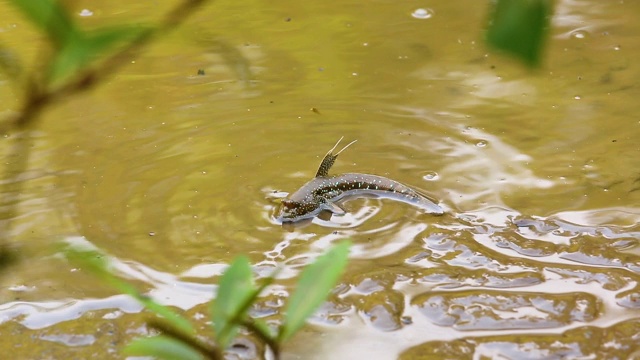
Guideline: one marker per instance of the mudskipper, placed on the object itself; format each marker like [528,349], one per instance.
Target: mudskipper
[324,192]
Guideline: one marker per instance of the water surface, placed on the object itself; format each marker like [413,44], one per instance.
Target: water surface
[173,174]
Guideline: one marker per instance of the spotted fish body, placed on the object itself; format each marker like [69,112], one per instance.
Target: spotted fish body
[323,191]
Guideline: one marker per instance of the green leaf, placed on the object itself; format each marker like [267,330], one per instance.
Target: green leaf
[97,263]
[235,293]
[51,17]
[519,27]
[313,287]
[161,347]
[71,58]
[84,49]
[263,327]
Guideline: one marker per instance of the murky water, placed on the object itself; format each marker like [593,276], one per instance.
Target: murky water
[173,174]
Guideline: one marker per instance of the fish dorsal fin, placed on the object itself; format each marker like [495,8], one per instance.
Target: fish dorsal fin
[330,158]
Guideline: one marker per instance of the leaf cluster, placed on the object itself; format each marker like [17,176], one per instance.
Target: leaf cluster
[236,294]
[81,58]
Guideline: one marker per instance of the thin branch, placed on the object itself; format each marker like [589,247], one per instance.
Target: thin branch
[209,352]
[265,337]
[38,98]
[243,309]
[240,317]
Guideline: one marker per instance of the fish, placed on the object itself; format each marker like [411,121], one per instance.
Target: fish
[324,192]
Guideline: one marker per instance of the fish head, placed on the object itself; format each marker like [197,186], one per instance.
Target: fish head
[291,210]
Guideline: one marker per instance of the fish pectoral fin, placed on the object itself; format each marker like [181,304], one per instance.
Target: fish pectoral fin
[334,208]
[330,206]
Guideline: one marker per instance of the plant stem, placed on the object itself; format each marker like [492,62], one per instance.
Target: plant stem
[209,352]
[38,97]
[271,342]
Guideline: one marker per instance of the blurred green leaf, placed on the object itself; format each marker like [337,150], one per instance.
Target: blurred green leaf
[519,27]
[77,54]
[71,57]
[313,287]
[97,263]
[263,327]
[51,17]
[162,347]
[235,291]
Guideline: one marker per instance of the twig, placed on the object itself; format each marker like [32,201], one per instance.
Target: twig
[265,337]
[240,316]
[209,352]
[38,96]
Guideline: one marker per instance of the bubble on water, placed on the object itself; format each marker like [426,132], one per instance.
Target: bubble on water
[21,288]
[580,34]
[481,143]
[422,13]
[86,12]
[431,176]
[616,48]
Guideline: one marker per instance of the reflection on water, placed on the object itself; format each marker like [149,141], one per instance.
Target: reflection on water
[527,276]
[515,275]
[39,315]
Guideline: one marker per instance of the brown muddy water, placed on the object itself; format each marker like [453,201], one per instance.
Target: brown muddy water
[173,174]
